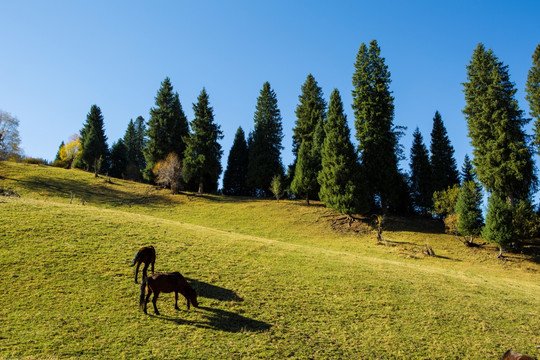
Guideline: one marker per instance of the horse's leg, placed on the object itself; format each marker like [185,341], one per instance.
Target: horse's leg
[154,300]
[137,271]
[176,300]
[145,268]
[153,267]
[147,299]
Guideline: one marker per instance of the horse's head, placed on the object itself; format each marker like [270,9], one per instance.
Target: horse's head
[192,297]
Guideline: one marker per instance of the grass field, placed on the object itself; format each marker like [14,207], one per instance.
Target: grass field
[275,280]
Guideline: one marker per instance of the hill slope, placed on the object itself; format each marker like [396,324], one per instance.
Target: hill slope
[274,280]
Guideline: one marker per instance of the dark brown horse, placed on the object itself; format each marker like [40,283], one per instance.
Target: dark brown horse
[512,355]
[167,282]
[146,255]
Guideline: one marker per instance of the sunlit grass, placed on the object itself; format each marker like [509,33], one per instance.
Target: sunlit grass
[275,280]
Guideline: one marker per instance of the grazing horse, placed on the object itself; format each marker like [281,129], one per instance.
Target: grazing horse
[146,255]
[512,355]
[166,282]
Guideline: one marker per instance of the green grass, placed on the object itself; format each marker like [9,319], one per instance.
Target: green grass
[275,280]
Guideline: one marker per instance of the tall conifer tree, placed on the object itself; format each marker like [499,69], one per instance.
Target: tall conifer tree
[310,112]
[235,177]
[533,93]
[502,156]
[311,109]
[202,157]
[373,107]
[342,185]
[265,145]
[167,128]
[443,164]
[119,159]
[421,175]
[95,151]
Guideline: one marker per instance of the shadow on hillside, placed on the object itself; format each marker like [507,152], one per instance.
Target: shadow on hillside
[99,191]
[217,319]
[220,198]
[210,291]
[414,224]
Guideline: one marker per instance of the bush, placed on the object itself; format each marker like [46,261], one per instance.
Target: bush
[525,221]
[35,161]
[499,227]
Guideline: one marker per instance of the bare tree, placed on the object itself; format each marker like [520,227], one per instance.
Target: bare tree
[168,172]
[9,136]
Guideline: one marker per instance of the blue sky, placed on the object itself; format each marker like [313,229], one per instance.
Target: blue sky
[60,57]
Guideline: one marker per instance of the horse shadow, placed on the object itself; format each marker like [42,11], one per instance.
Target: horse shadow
[210,291]
[222,320]
[218,319]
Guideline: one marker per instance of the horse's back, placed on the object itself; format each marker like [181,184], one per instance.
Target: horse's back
[166,282]
[512,355]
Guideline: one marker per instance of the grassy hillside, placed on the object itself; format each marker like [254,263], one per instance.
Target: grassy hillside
[274,279]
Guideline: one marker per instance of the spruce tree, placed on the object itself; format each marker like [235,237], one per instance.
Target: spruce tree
[167,128]
[533,93]
[498,228]
[502,156]
[134,142]
[95,152]
[309,113]
[202,157]
[373,106]
[235,177]
[342,187]
[265,145]
[57,158]
[443,164]
[311,109]
[468,207]
[420,178]
[140,135]
[307,169]
[119,159]
[467,170]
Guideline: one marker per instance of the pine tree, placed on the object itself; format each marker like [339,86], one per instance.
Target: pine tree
[140,136]
[373,107]
[57,158]
[167,128]
[309,113]
[119,159]
[305,177]
[533,93]
[342,187]
[265,145]
[468,207]
[443,164]
[502,156]
[420,179]
[202,157]
[95,152]
[498,228]
[467,170]
[311,109]
[235,177]
[134,142]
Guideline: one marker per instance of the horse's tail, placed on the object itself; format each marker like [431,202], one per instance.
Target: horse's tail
[137,255]
[143,289]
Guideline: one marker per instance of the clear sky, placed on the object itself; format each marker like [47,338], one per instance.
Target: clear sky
[60,57]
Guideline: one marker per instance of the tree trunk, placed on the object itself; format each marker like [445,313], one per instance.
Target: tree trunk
[500,256]
[307,199]
[200,187]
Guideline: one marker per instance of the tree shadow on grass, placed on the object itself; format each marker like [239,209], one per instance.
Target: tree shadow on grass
[93,191]
[217,319]
[213,292]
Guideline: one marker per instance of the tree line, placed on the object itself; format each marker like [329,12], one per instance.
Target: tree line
[179,154]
